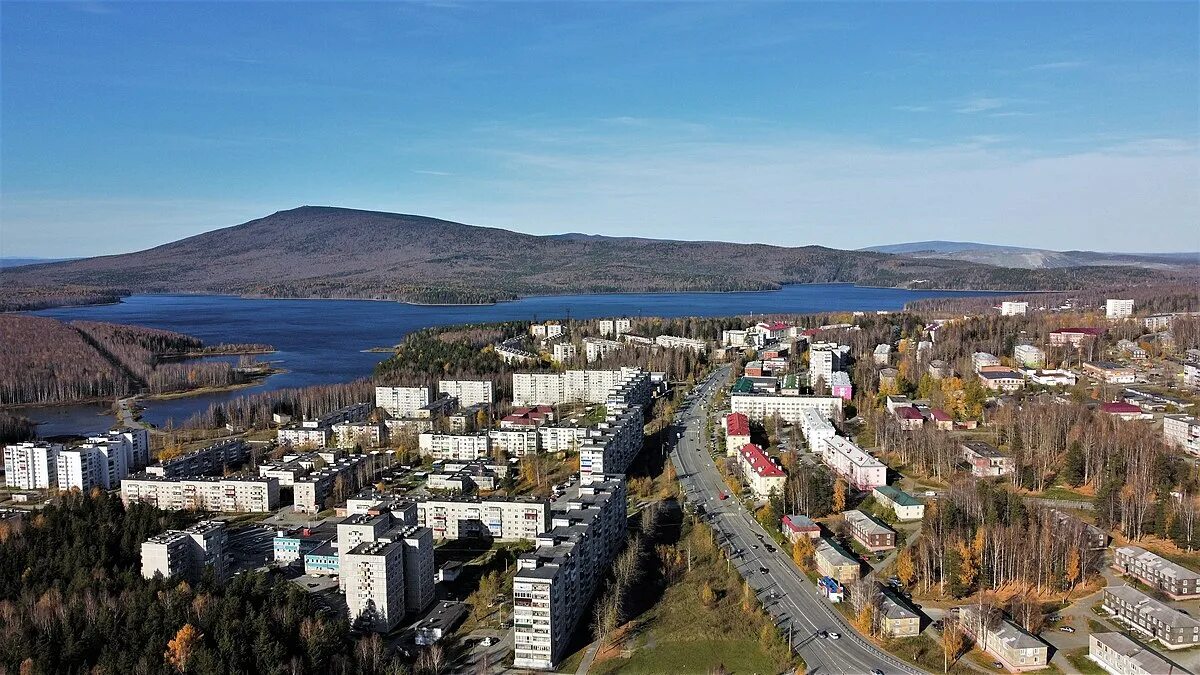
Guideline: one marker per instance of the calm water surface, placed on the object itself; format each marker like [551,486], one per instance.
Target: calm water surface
[322,341]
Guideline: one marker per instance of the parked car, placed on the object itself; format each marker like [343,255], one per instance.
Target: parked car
[834,636]
[1066,629]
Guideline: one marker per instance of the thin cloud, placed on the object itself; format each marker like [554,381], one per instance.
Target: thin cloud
[431,172]
[979,104]
[1058,65]
[913,108]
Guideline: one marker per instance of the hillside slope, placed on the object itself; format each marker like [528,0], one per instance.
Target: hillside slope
[1037,258]
[335,252]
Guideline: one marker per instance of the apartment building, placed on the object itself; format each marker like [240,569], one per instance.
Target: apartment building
[760,473]
[498,518]
[31,465]
[563,438]
[455,446]
[1131,349]
[1172,628]
[359,434]
[796,526]
[311,493]
[1112,373]
[871,533]
[610,447]
[737,432]
[897,619]
[673,342]
[1176,581]
[816,429]
[469,392]
[186,553]
[614,327]
[299,435]
[597,348]
[515,442]
[1002,379]
[821,365]
[372,574]
[1010,308]
[562,352]
[1117,654]
[580,386]
[90,466]
[419,567]
[402,401]
[905,506]
[985,460]
[1078,531]
[554,584]
[840,386]
[1010,644]
[133,443]
[1029,356]
[834,562]
[861,470]
[981,360]
[207,461]
[734,338]
[202,493]
[882,354]
[546,331]
[1118,309]
[1183,432]
[1075,337]
[790,409]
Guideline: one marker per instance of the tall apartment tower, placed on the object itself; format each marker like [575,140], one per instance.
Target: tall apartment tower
[373,576]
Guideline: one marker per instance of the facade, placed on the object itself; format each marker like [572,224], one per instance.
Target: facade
[1029,356]
[833,562]
[1107,371]
[839,385]
[761,474]
[1002,380]
[905,506]
[1075,337]
[790,409]
[562,352]
[1172,628]
[310,493]
[1131,349]
[673,342]
[31,466]
[359,434]
[207,461]
[614,327]
[985,460]
[610,447]
[1119,655]
[581,386]
[821,364]
[455,446]
[882,354]
[561,438]
[816,429]
[1008,308]
[372,574]
[981,360]
[597,348]
[469,392]
[797,526]
[1183,432]
[737,432]
[1176,581]
[1118,309]
[515,442]
[402,401]
[1011,645]
[500,519]
[202,493]
[546,331]
[896,619]
[871,533]
[861,470]
[185,553]
[86,467]
[301,436]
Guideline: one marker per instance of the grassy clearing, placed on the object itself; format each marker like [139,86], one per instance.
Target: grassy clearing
[1079,659]
[678,633]
[924,652]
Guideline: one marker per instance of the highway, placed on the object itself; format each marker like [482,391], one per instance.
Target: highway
[785,592]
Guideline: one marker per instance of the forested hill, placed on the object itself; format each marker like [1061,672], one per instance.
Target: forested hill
[335,252]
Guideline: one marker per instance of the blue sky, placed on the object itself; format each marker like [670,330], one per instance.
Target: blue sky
[1070,126]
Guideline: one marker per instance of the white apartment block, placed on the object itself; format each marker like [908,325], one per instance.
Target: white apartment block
[733,338]
[1119,655]
[610,447]
[1118,309]
[92,465]
[1008,308]
[861,470]
[673,342]
[372,574]
[554,584]
[299,436]
[561,439]
[31,466]
[516,442]
[1183,432]
[579,386]
[402,401]
[980,360]
[419,567]
[1029,356]
[228,495]
[816,429]
[455,446]
[499,519]
[882,354]
[133,443]
[469,392]
[359,434]
[614,327]
[546,331]
[562,352]
[821,365]
[185,553]
[598,348]
[790,409]
[310,493]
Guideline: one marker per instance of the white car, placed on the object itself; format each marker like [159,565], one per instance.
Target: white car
[834,636]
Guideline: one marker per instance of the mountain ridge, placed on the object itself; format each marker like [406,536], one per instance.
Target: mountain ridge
[334,252]
[1036,258]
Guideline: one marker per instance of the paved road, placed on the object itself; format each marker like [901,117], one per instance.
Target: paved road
[785,592]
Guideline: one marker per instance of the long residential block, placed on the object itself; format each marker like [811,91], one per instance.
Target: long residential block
[203,493]
[1172,628]
[1177,581]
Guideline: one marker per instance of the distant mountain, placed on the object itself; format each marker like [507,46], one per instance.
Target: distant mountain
[328,252]
[18,262]
[1036,258]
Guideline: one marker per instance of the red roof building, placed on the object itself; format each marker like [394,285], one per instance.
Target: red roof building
[1074,336]
[910,417]
[1126,411]
[737,424]
[760,472]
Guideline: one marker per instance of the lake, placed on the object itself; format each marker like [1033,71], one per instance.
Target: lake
[322,341]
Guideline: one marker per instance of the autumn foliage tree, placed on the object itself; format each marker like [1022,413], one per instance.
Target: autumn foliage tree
[180,648]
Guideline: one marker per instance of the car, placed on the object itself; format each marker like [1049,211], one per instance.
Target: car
[754,546]
[487,642]
[1066,629]
[823,634]
[997,664]
[764,570]
[770,549]
[834,636]
[876,671]
[724,495]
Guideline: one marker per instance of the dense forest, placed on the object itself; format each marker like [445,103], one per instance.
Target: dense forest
[48,361]
[254,411]
[29,298]
[72,600]
[1151,298]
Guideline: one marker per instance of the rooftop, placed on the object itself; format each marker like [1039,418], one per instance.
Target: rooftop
[1152,609]
[760,463]
[737,424]
[897,495]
